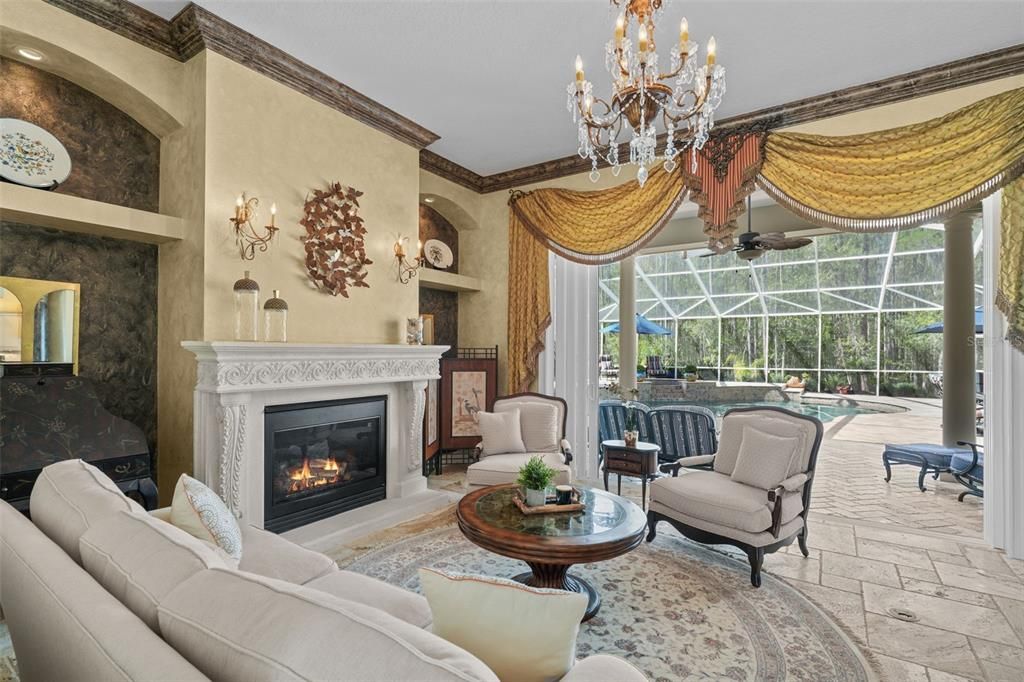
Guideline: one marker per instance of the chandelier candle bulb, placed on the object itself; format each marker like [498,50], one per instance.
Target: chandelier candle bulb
[643,39]
[579,71]
[620,29]
[712,49]
[684,34]
[273,215]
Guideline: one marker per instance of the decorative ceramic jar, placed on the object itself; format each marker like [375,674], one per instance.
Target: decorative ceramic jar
[275,319]
[247,309]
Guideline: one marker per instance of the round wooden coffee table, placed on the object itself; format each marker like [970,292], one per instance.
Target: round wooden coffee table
[609,526]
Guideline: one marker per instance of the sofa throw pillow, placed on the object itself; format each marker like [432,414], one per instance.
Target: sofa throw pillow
[764,459]
[500,432]
[522,633]
[200,512]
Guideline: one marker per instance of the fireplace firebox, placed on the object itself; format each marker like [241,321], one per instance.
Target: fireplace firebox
[323,458]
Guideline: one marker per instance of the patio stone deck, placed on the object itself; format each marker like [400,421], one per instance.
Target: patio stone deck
[877,546]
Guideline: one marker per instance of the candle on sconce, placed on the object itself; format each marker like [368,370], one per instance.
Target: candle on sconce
[273,215]
[684,34]
[238,208]
[712,49]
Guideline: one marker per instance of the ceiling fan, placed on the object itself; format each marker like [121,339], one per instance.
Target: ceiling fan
[751,245]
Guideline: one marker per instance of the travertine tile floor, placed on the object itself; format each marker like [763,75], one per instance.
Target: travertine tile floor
[878,547]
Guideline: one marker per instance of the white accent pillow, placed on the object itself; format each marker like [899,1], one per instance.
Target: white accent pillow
[764,459]
[199,511]
[522,633]
[500,432]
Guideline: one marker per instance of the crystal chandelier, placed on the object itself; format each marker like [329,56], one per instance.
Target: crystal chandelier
[684,98]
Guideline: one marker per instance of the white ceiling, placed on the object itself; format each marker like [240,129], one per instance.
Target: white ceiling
[489,76]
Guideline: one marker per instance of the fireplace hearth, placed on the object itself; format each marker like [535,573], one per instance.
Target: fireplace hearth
[322,458]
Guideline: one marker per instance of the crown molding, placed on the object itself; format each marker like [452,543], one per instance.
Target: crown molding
[949,76]
[194,29]
[460,175]
[125,19]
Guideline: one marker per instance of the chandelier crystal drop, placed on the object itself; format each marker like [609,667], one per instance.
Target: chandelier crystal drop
[683,99]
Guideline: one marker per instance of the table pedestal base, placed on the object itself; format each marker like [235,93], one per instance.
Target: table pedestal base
[556,576]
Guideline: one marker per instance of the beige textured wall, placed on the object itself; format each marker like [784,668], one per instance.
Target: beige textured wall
[181,286]
[277,144]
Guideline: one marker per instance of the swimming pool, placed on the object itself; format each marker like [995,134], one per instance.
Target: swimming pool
[824,410]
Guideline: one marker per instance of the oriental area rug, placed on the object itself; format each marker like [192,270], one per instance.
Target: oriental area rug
[674,609]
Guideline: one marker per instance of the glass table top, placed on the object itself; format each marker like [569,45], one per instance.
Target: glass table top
[602,513]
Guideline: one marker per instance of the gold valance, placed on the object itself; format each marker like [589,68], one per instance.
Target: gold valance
[898,178]
[594,227]
[1010,291]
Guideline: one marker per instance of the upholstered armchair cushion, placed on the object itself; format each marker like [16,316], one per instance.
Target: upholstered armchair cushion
[721,500]
[501,433]
[764,460]
[498,469]
[538,424]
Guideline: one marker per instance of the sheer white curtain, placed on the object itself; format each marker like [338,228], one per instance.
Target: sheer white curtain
[568,364]
[1004,405]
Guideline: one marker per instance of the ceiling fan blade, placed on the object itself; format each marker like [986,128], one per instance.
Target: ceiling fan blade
[786,244]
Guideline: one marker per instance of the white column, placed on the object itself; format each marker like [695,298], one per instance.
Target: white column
[627,324]
[958,332]
[1004,404]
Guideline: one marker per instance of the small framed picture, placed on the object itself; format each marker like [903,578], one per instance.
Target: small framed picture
[428,329]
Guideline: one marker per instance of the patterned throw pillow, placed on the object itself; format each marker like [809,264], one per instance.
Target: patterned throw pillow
[200,512]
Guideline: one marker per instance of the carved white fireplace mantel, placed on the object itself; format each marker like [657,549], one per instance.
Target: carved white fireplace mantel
[236,380]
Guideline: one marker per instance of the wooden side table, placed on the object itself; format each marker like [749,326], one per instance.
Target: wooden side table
[640,460]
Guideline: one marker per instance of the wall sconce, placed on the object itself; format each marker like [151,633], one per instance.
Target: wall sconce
[245,234]
[406,268]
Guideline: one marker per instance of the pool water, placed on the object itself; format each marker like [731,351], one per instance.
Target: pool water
[825,412]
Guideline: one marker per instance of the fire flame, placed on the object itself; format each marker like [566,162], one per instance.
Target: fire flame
[304,477]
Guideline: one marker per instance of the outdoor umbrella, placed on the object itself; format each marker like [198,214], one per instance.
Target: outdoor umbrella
[938,328]
[643,326]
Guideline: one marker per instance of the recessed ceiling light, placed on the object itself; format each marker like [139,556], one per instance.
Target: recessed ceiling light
[429,200]
[29,53]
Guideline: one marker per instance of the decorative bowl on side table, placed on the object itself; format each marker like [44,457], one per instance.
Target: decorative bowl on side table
[550,544]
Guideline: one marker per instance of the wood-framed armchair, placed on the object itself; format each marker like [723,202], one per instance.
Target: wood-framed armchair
[542,423]
[756,496]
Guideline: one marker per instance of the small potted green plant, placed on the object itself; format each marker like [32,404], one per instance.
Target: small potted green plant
[690,372]
[535,476]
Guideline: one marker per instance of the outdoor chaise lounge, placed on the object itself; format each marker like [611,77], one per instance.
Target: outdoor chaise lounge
[966,466]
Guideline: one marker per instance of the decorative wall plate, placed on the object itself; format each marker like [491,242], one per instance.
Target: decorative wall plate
[334,240]
[438,254]
[31,156]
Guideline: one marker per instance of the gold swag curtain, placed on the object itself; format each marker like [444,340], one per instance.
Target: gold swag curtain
[898,178]
[1010,292]
[594,228]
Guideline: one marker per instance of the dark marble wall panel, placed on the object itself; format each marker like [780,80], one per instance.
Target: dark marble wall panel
[113,158]
[434,226]
[444,306]
[117,324]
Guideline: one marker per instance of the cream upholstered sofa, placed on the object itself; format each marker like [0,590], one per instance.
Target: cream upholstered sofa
[542,423]
[758,505]
[94,588]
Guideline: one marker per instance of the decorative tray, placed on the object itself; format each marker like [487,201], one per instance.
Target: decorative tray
[552,508]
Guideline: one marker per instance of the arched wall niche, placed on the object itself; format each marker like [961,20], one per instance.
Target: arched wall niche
[454,213]
[93,77]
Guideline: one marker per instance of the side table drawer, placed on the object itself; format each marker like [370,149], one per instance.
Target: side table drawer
[624,466]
